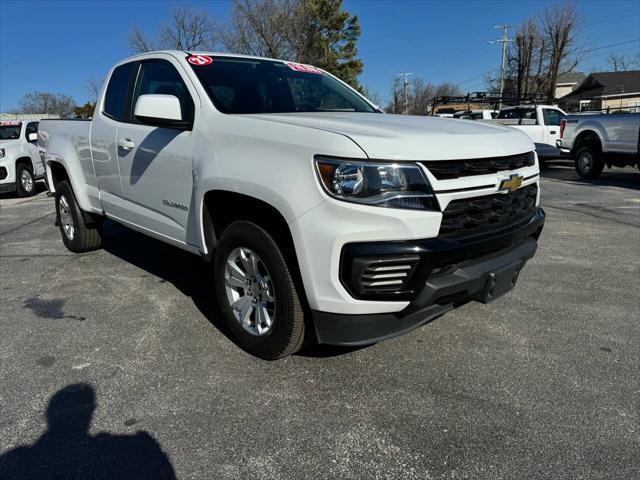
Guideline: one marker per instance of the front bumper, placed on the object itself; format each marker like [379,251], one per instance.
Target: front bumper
[7,187]
[480,269]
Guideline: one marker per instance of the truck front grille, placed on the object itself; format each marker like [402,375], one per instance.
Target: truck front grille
[448,169]
[473,216]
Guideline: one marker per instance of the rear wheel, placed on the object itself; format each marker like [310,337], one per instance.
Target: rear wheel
[25,184]
[256,292]
[589,162]
[77,235]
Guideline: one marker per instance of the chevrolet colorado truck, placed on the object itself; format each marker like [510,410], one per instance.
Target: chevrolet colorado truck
[323,219]
[598,140]
[20,162]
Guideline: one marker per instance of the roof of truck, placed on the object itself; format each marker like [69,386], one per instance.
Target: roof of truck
[182,53]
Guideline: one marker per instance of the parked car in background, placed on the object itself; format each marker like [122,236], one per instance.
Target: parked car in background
[476,114]
[540,122]
[594,141]
[20,162]
[325,219]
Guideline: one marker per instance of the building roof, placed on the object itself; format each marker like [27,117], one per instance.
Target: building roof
[571,77]
[600,84]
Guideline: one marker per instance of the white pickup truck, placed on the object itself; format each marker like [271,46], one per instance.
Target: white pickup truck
[598,140]
[540,122]
[20,163]
[324,219]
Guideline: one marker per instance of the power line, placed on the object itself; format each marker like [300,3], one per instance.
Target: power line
[609,46]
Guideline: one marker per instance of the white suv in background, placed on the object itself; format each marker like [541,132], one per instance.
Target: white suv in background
[20,163]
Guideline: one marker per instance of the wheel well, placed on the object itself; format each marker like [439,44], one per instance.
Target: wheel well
[26,161]
[58,173]
[221,208]
[588,137]
[235,206]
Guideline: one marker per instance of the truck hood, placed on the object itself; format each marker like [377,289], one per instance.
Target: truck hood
[406,137]
[9,142]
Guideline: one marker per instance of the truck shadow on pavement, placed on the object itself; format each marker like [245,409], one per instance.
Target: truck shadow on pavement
[627,177]
[185,271]
[67,449]
[188,273]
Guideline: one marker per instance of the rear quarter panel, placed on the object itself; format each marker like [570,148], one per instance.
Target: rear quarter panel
[67,142]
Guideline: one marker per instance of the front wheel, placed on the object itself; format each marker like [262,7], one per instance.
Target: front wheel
[25,184]
[256,292]
[589,163]
[77,235]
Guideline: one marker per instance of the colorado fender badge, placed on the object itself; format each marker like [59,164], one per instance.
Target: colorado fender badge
[200,60]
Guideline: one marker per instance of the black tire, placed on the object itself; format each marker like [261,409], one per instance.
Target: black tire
[589,162]
[287,332]
[25,187]
[83,237]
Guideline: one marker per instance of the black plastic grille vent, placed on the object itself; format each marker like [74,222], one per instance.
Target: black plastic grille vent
[448,169]
[473,216]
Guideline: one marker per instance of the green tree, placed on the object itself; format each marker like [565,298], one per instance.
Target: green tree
[325,35]
[85,111]
[317,32]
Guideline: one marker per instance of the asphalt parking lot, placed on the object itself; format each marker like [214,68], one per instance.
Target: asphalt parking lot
[126,341]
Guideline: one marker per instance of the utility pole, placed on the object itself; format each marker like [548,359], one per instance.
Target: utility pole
[504,40]
[405,88]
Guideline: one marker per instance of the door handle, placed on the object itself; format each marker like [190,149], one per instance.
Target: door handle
[126,144]
[552,132]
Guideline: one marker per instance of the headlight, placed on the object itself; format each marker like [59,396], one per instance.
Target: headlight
[393,185]
[1,152]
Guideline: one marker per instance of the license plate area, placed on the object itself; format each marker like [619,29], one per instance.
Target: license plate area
[500,281]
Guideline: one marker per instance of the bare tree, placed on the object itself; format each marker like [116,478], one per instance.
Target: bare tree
[188,29]
[371,95]
[45,102]
[138,42]
[560,22]
[623,63]
[260,27]
[420,97]
[525,53]
[93,87]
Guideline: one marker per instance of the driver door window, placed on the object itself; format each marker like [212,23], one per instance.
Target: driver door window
[552,116]
[160,77]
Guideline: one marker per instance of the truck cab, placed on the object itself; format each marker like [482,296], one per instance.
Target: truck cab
[20,163]
[540,122]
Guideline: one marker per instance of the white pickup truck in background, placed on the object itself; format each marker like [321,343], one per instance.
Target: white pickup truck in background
[326,220]
[540,122]
[598,140]
[20,163]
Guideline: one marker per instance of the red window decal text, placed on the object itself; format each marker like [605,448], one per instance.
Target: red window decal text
[301,67]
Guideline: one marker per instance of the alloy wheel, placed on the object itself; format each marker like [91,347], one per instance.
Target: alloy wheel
[250,291]
[66,219]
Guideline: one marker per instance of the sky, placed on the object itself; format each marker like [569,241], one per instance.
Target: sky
[57,46]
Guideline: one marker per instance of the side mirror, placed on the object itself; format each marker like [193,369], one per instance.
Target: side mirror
[160,111]
[33,137]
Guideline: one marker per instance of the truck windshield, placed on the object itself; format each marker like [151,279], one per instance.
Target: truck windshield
[10,131]
[239,85]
